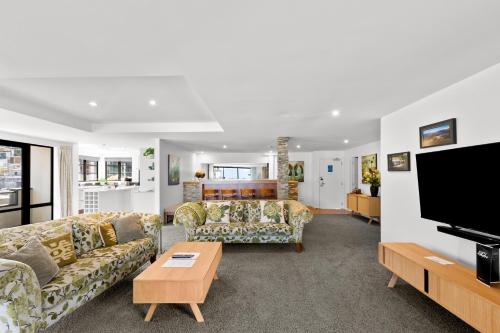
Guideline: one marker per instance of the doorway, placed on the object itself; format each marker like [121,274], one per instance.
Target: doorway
[331,184]
[26,183]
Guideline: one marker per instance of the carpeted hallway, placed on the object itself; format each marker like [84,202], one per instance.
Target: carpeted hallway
[335,285]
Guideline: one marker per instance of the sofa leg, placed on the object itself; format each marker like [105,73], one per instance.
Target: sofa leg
[152,259]
[298,247]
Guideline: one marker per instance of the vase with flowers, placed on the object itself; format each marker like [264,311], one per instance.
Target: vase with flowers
[372,177]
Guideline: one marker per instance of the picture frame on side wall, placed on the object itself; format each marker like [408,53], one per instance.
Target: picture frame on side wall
[399,161]
[174,169]
[439,134]
[367,162]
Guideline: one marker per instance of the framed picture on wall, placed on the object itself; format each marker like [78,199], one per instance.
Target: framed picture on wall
[368,162]
[174,169]
[399,162]
[439,134]
[296,170]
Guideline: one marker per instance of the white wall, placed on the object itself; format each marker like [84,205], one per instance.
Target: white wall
[367,149]
[167,195]
[475,102]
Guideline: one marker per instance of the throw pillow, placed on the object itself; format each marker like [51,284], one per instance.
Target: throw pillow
[218,212]
[238,211]
[86,236]
[272,211]
[108,234]
[128,228]
[34,254]
[253,211]
[61,248]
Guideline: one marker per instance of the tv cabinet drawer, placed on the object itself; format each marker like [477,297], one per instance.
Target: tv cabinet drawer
[405,269]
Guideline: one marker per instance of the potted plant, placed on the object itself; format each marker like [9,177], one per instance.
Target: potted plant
[372,177]
[149,152]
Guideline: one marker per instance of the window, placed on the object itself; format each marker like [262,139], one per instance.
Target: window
[88,170]
[232,173]
[117,170]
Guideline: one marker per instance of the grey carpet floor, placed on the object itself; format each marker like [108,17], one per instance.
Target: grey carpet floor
[335,285]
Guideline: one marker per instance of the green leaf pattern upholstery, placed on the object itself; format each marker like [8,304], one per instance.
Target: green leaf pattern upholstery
[25,307]
[249,229]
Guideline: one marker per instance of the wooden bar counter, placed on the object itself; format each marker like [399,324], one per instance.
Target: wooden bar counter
[193,190]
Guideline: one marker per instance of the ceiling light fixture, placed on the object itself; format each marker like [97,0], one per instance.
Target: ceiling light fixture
[346,141]
[93,104]
[335,113]
[224,147]
[152,102]
[298,146]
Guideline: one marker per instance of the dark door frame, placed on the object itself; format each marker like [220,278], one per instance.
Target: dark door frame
[26,205]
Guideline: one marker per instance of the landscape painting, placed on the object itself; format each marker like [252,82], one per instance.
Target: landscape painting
[438,134]
[368,162]
[174,169]
[296,170]
[399,162]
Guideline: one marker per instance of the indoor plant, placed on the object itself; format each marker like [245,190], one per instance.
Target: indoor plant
[372,177]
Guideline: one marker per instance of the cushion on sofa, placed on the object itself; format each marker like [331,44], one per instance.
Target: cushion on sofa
[123,252]
[128,228]
[238,212]
[218,212]
[34,254]
[255,229]
[271,211]
[220,229]
[61,248]
[253,211]
[86,236]
[108,234]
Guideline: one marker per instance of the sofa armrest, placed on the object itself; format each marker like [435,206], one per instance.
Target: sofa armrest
[191,215]
[298,216]
[152,225]
[20,297]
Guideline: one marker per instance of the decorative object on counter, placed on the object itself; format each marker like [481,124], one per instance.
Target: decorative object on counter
[399,162]
[296,171]
[356,190]
[372,177]
[368,162]
[439,134]
[103,181]
[199,174]
[149,152]
[173,169]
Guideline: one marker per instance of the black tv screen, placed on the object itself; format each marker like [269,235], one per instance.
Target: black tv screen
[461,187]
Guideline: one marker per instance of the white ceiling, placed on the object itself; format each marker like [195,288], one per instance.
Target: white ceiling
[261,69]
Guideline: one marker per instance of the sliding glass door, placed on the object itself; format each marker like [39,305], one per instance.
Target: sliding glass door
[26,183]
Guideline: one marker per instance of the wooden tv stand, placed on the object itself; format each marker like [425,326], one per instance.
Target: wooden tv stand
[454,286]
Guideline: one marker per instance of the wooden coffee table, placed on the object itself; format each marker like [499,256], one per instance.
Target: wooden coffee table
[159,284]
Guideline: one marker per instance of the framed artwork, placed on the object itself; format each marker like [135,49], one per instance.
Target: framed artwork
[399,162]
[173,169]
[368,162]
[296,170]
[439,134]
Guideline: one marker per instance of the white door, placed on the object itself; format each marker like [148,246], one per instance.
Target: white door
[331,184]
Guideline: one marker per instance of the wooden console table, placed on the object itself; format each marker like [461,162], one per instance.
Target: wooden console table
[364,205]
[454,287]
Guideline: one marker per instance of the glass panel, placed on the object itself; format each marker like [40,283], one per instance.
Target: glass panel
[41,168]
[230,173]
[41,214]
[126,170]
[10,219]
[245,173]
[112,171]
[81,171]
[91,170]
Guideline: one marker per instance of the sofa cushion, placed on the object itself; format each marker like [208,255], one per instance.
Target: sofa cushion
[218,212]
[61,248]
[123,252]
[253,211]
[238,212]
[256,229]
[108,234]
[128,228]
[220,229]
[86,236]
[271,211]
[74,277]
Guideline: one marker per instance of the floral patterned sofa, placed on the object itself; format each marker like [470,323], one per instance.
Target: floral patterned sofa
[244,223]
[25,307]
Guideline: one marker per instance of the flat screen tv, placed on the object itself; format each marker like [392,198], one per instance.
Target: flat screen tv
[461,187]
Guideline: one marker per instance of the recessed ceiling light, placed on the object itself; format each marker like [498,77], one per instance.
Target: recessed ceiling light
[346,141]
[335,113]
[202,152]
[152,102]
[224,146]
[93,104]
[298,146]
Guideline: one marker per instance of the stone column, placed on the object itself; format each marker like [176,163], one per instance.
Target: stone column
[282,148]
